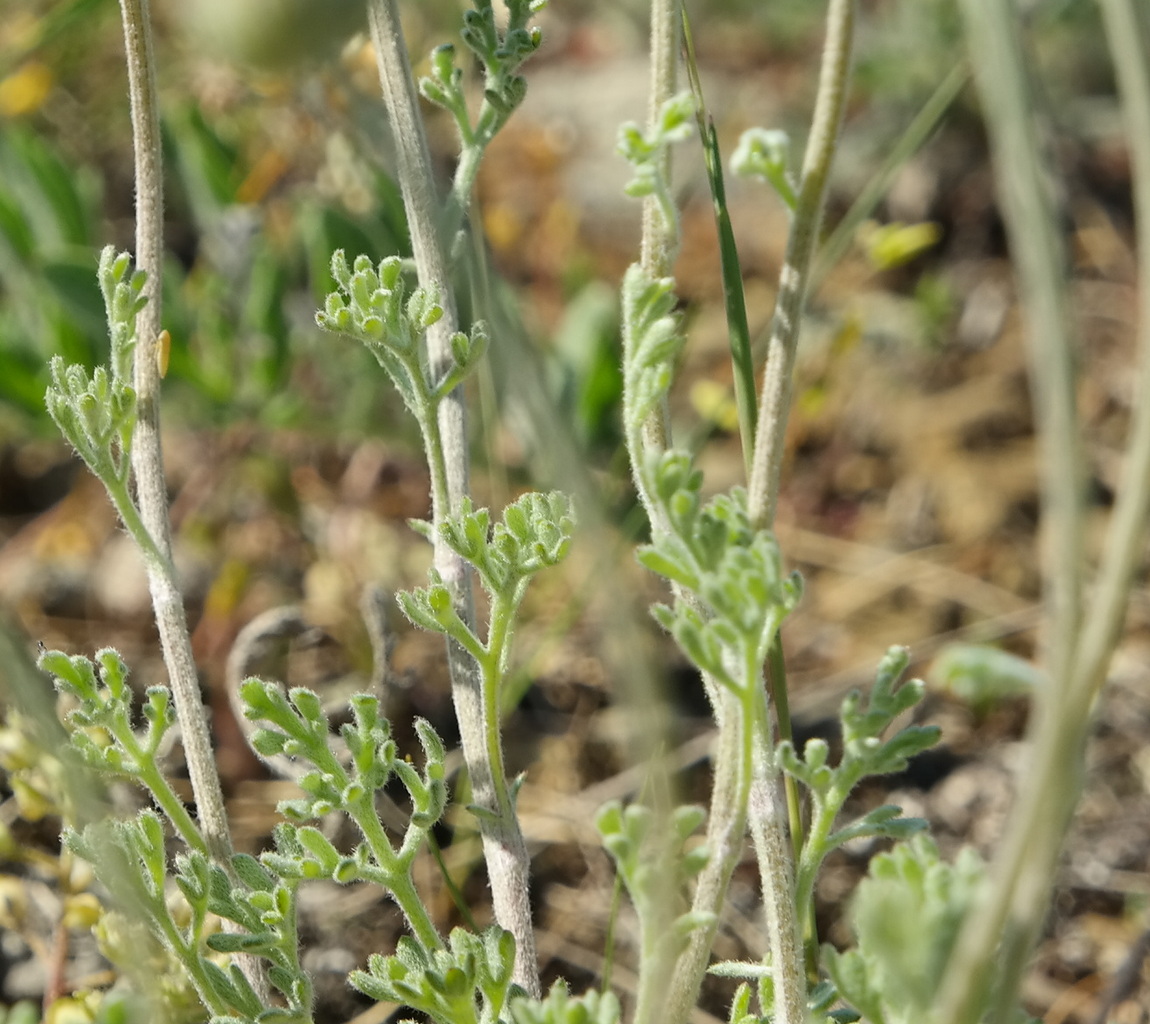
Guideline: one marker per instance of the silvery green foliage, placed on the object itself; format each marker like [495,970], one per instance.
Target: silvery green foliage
[130,859]
[905,915]
[101,726]
[651,331]
[295,725]
[655,864]
[468,982]
[740,1012]
[264,906]
[733,594]
[123,300]
[730,591]
[766,153]
[257,896]
[534,533]
[984,676]
[741,593]
[500,53]
[865,753]
[102,729]
[371,303]
[559,1007]
[647,151]
[651,342]
[96,412]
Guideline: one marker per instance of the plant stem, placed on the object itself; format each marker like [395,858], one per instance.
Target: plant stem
[800,835]
[147,457]
[726,832]
[504,848]
[775,854]
[1031,220]
[493,669]
[191,960]
[1021,886]
[775,398]
[463,184]
[396,876]
[1127,32]
[161,791]
[998,934]
[660,238]
[773,851]
[777,692]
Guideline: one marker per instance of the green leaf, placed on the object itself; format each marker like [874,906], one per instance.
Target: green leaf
[982,676]
[851,976]
[320,847]
[229,942]
[882,821]
[309,706]
[663,560]
[268,743]
[765,153]
[559,1007]
[192,878]
[415,605]
[906,914]
[253,874]
[219,982]
[246,999]
[300,810]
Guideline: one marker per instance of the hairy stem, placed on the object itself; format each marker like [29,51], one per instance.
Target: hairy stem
[504,848]
[147,457]
[397,875]
[775,854]
[775,398]
[773,850]
[165,797]
[726,832]
[660,238]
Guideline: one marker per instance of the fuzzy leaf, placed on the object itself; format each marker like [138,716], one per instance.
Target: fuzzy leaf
[253,874]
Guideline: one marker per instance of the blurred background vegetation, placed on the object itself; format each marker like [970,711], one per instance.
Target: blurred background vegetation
[273,165]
